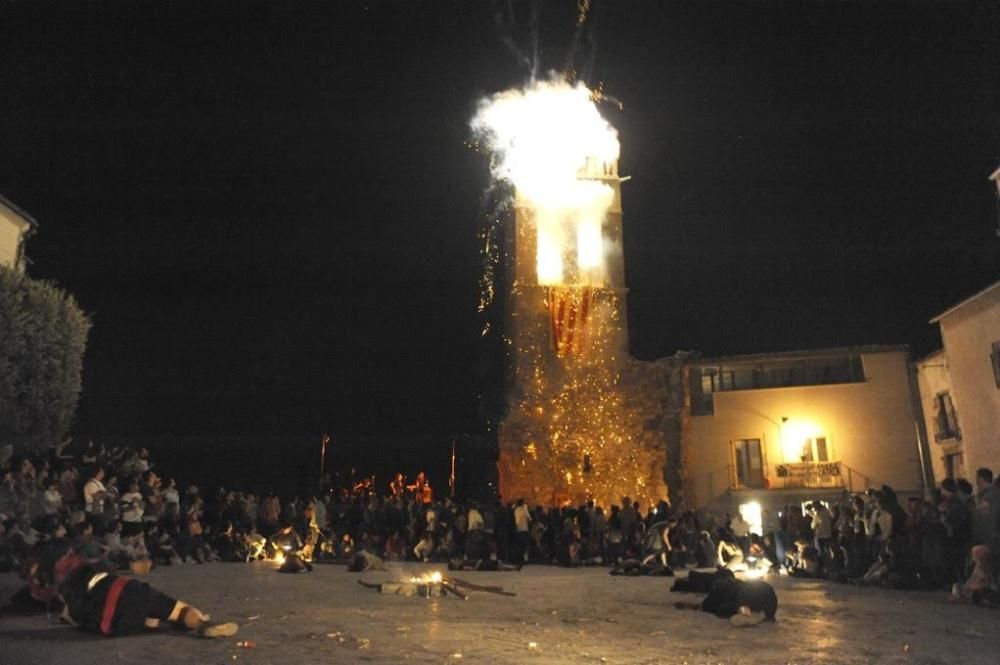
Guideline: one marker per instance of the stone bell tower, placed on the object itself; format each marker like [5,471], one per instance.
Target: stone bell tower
[573,430]
[531,306]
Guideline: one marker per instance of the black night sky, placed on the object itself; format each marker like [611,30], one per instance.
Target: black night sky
[269,211]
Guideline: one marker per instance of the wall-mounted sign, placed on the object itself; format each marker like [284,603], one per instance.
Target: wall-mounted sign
[809,470]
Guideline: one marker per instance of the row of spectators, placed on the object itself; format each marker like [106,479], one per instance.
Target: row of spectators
[948,538]
[111,504]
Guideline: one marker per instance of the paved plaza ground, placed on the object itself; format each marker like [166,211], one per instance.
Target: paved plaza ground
[558,616]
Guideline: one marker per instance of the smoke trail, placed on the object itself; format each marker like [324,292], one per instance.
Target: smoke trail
[591,41]
[533,27]
[579,34]
[505,23]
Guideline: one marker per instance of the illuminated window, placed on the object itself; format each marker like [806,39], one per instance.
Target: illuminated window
[815,450]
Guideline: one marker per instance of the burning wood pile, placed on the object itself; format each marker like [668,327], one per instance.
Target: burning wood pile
[433,585]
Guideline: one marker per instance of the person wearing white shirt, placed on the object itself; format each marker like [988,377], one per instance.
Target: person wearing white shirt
[475,519]
[132,506]
[522,526]
[52,499]
[94,493]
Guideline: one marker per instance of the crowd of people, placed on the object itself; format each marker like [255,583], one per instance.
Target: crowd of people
[110,506]
[948,538]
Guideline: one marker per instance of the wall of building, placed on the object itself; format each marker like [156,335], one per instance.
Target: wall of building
[933,379]
[968,334]
[11,229]
[870,428]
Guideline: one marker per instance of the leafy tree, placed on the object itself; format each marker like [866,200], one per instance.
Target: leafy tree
[43,334]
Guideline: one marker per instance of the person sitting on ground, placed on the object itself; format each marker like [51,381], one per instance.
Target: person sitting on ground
[394,547]
[425,548]
[286,539]
[981,587]
[705,551]
[803,560]
[294,563]
[757,559]
[728,553]
[110,605]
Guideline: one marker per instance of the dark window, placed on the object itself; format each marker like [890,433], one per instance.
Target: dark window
[995,357]
[781,373]
[821,454]
[749,463]
[702,403]
[954,465]
[945,419]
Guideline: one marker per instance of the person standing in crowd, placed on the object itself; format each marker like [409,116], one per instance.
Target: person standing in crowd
[628,518]
[170,494]
[397,486]
[956,521]
[53,500]
[822,526]
[987,511]
[474,520]
[522,528]
[94,493]
[131,510]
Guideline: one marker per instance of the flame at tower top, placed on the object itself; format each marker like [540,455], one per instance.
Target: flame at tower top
[550,141]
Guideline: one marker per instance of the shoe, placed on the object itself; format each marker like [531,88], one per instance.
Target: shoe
[746,620]
[218,630]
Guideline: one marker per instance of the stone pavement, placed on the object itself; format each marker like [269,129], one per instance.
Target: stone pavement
[558,616]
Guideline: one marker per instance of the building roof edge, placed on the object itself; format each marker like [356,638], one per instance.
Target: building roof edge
[954,308]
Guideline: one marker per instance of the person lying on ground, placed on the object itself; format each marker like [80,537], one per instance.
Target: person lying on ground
[743,603]
[698,582]
[652,565]
[110,605]
[363,561]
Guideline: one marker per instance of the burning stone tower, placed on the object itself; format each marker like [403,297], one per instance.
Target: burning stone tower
[568,282]
[584,420]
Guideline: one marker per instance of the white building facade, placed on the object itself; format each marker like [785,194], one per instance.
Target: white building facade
[772,429]
[960,387]
[15,228]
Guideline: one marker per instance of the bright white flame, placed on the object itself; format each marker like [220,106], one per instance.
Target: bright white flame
[428,578]
[753,515]
[550,142]
[589,245]
[549,256]
[796,437]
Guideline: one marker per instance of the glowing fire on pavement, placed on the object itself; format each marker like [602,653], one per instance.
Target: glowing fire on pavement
[428,578]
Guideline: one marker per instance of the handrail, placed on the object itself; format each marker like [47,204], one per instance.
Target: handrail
[853,480]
